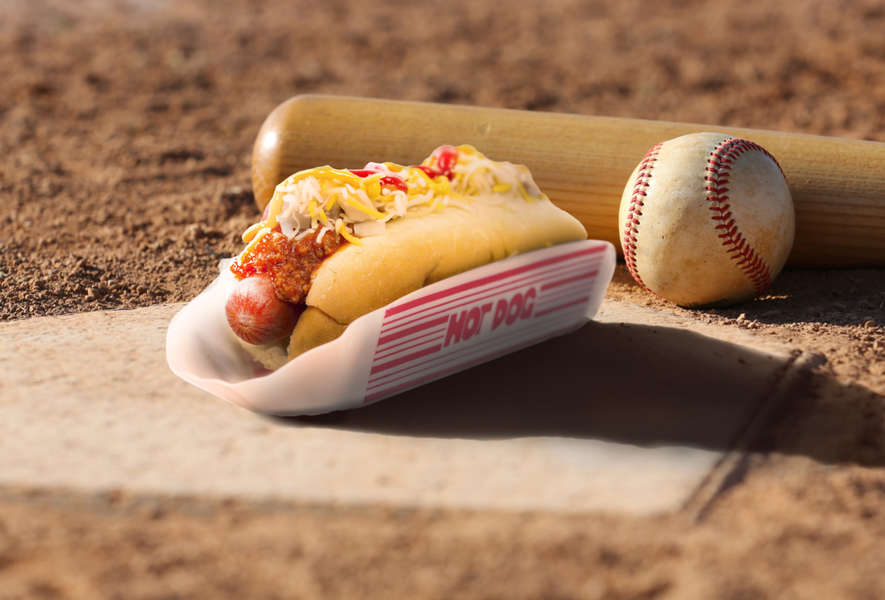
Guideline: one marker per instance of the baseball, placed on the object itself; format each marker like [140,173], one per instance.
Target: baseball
[706,219]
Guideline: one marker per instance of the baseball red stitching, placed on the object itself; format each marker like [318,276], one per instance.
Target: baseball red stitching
[716,178]
[631,227]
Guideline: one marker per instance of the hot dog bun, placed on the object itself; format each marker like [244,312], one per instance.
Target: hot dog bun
[469,212]
[416,251]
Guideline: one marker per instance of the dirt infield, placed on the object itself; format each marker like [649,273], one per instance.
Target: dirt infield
[126,130]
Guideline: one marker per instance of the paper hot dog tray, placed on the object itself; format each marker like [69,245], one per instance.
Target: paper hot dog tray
[441,329]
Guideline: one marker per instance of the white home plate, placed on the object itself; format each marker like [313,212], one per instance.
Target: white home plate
[628,414]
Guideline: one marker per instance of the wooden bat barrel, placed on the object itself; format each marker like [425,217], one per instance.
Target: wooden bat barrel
[581,162]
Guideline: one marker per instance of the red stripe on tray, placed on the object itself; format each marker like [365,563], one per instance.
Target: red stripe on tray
[411,330]
[404,359]
[560,295]
[532,279]
[415,362]
[490,279]
[447,356]
[435,336]
[561,306]
[554,284]
[459,367]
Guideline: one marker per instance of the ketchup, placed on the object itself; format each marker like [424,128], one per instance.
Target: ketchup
[394,181]
[445,157]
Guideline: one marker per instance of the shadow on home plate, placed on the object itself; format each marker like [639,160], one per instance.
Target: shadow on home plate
[637,417]
[629,383]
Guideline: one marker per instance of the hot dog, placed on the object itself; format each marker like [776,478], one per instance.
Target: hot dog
[334,244]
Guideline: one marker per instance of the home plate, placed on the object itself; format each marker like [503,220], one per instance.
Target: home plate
[633,413]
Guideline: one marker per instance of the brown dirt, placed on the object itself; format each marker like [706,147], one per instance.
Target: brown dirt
[126,129]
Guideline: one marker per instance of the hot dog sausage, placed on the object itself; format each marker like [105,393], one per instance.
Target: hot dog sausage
[255,313]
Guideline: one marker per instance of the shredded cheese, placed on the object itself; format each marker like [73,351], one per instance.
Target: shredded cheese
[261,233]
[251,231]
[366,209]
[359,204]
[525,194]
[347,236]
[276,203]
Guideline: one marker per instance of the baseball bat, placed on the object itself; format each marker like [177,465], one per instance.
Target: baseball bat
[581,162]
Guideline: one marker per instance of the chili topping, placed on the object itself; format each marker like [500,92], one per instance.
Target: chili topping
[289,263]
